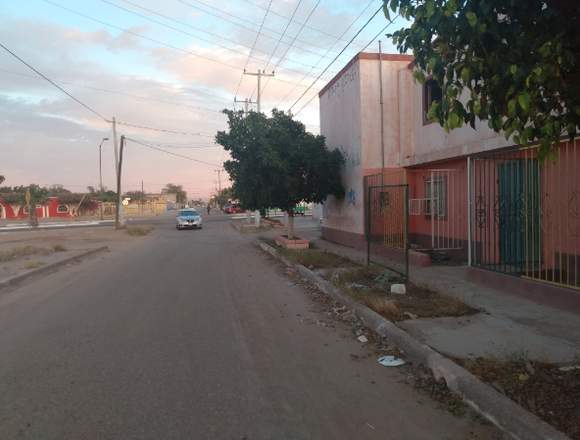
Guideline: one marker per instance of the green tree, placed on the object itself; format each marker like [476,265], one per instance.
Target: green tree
[136,196]
[57,189]
[223,197]
[180,194]
[276,163]
[2,179]
[514,64]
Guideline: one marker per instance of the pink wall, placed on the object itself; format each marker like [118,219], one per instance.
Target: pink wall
[449,230]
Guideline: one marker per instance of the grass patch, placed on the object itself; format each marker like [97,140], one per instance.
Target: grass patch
[21,252]
[314,258]
[549,391]
[33,264]
[58,248]
[370,285]
[138,231]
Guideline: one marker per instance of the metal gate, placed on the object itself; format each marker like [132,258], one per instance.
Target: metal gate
[438,208]
[387,230]
[526,213]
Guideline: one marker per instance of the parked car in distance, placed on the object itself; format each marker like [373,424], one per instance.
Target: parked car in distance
[232,208]
[188,218]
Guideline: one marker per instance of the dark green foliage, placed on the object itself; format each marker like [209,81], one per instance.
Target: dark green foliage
[276,163]
[513,63]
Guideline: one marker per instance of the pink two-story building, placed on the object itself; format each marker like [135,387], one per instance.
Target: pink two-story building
[470,195]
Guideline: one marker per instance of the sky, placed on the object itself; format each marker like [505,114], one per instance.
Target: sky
[172,66]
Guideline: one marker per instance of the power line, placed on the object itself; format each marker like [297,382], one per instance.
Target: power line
[283,34]
[251,29]
[183,23]
[336,57]
[163,130]
[171,153]
[281,59]
[117,92]
[152,40]
[327,52]
[367,45]
[54,83]
[252,49]
[307,26]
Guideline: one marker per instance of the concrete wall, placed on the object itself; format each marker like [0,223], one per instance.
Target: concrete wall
[371,109]
[431,143]
[350,120]
[340,123]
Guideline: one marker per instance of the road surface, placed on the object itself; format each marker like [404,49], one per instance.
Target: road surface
[194,335]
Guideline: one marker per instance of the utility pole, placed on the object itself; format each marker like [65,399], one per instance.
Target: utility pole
[247,102]
[382,104]
[118,217]
[259,74]
[142,198]
[101,175]
[219,173]
[119,211]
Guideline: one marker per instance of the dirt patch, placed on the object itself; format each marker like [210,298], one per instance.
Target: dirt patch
[370,285]
[549,391]
[20,252]
[33,264]
[138,231]
[314,258]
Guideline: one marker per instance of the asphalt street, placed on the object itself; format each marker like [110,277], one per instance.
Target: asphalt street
[195,335]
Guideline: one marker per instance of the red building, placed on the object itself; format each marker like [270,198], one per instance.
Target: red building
[53,208]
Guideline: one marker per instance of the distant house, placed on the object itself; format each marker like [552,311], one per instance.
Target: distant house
[472,194]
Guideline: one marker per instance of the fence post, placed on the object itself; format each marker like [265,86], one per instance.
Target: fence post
[406,230]
[368,224]
[469,211]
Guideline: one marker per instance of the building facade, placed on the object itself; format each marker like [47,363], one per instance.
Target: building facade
[472,194]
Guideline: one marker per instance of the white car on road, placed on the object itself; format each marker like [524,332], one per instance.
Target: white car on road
[188,218]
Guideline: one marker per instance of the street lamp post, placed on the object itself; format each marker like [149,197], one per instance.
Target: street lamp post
[101,175]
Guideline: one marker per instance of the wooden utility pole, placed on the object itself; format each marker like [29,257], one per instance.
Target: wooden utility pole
[259,74]
[118,215]
[119,210]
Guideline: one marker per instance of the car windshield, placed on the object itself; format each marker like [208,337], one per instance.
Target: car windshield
[188,213]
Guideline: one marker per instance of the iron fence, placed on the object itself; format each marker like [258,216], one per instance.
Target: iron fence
[526,213]
[387,229]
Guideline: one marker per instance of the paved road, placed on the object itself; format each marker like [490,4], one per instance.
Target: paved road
[193,335]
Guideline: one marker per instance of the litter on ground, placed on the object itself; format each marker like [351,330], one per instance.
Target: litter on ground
[391,361]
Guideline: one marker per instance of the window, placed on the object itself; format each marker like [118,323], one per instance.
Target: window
[62,209]
[431,93]
[439,197]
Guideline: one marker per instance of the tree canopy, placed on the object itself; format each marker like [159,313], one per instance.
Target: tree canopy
[512,63]
[180,194]
[276,163]
[223,197]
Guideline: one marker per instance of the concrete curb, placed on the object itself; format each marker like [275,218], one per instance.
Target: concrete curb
[494,406]
[12,281]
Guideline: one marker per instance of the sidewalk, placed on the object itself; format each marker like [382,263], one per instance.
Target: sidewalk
[508,325]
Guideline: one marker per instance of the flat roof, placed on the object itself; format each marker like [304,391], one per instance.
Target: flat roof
[365,56]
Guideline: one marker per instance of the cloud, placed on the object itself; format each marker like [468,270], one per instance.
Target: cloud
[48,138]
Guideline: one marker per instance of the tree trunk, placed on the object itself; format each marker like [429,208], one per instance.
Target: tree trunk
[291,224]
[33,219]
